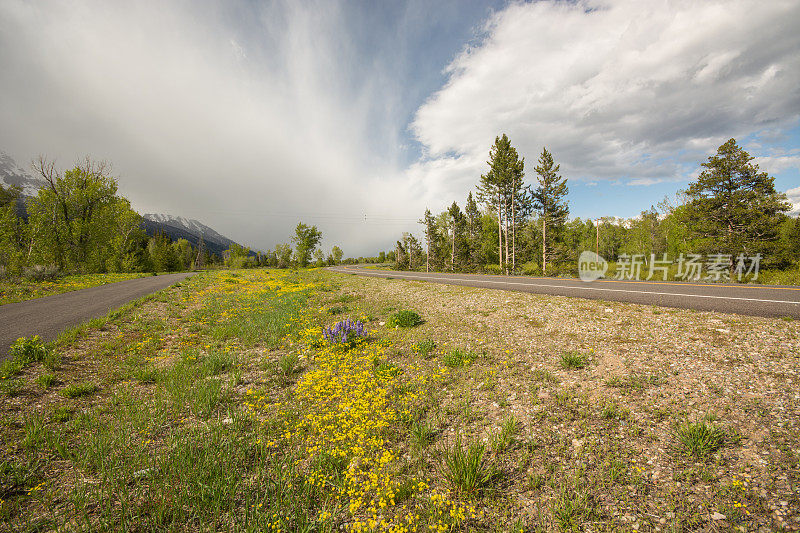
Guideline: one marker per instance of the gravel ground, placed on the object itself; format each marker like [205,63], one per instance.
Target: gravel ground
[658,367]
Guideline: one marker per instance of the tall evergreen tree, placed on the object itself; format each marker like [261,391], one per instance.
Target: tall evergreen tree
[459,252]
[496,189]
[734,207]
[474,227]
[549,200]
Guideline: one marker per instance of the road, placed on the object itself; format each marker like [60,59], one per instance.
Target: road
[49,316]
[753,300]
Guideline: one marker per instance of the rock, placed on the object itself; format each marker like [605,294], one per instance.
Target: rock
[718,516]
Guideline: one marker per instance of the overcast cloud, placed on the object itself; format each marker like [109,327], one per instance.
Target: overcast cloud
[251,117]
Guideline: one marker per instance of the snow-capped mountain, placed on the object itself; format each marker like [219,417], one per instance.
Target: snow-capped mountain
[186,228]
[12,174]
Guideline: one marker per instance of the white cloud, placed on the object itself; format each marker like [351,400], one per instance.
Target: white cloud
[618,88]
[794,198]
[246,117]
[774,164]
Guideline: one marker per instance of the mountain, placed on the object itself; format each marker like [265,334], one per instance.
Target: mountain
[12,174]
[184,228]
[174,227]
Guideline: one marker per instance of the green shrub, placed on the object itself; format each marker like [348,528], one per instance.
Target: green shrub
[29,349]
[404,319]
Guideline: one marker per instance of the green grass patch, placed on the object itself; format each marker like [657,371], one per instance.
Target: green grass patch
[46,381]
[77,390]
[466,469]
[573,360]
[424,348]
[405,318]
[699,439]
[458,358]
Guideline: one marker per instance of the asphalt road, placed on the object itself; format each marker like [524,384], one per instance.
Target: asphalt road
[753,300]
[49,316]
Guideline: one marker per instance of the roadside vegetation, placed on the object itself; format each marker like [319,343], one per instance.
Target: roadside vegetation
[27,289]
[238,401]
[520,224]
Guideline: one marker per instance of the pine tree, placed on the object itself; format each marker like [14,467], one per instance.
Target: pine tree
[496,189]
[473,219]
[549,200]
[458,225]
[734,208]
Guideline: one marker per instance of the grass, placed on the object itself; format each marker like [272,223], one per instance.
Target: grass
[288,364]
[458,358]
[635,382]
[23,289]
[466,469]
[424,348]
[405,318]
[503,439]
[46,381]
[573,360]
[222,409]
[699,439]
[77,390]
[572,508]
[422,434]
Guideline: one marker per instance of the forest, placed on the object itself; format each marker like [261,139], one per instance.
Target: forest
[510,226]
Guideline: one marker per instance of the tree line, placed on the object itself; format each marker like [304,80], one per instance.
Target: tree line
[78,222]
[510,226]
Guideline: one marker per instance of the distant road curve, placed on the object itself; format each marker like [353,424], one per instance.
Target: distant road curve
[753,300]
[50,315]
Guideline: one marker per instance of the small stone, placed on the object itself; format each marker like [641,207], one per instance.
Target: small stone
[381,323]
[227,421]
[718,516]
[142,473]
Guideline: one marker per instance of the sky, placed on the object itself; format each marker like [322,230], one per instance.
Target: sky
[355,116]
